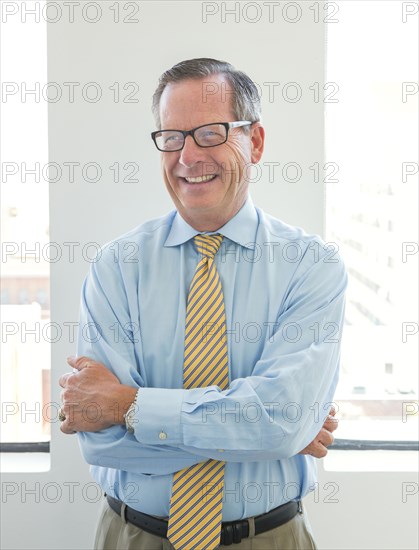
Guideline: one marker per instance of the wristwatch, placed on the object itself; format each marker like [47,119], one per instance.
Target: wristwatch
[129,415]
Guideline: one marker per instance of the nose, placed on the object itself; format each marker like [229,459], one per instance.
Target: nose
[191,153]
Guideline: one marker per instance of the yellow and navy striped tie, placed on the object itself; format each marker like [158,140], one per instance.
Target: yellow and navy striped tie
[197,492]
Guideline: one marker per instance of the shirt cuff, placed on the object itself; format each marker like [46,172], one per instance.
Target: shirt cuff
[157,417]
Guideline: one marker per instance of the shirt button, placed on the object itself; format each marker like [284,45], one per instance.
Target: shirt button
[162,435]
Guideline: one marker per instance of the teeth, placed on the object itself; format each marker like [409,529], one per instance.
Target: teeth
[200,179]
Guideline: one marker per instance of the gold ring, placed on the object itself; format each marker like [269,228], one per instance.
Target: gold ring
[61,415]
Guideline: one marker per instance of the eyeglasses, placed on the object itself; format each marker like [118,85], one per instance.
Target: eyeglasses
[207,135]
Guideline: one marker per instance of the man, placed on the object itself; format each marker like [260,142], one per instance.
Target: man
[209,344]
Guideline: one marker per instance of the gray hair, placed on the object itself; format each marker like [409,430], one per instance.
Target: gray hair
[245,97]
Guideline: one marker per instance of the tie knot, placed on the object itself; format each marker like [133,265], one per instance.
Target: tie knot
[208,245]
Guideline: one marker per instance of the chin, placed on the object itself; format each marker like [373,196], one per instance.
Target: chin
[196,206]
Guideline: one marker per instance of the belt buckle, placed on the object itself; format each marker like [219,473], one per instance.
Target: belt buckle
[232,532]
[237,532]
[227,534]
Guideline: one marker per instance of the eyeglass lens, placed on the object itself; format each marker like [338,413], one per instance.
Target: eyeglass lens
[206,136]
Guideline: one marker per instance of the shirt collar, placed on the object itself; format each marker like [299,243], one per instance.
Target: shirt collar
[241,229]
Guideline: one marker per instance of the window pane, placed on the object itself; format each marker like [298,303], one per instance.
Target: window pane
[372,214]
[25,349]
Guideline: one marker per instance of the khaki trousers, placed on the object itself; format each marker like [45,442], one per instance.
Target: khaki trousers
[114,533]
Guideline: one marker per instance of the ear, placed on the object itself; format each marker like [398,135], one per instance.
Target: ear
[257,136]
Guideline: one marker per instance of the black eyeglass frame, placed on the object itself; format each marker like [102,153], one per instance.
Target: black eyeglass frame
[227,126]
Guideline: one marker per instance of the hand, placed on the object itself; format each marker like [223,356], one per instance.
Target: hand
[93,398]
[318,447]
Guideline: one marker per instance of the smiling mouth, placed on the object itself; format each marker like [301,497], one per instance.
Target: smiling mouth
[201,179]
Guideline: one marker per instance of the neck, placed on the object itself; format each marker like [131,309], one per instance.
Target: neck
[209,221]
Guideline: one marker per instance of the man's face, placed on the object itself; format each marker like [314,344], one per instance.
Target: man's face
[207,205]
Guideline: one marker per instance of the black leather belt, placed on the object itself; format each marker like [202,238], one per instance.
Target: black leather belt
[232,532]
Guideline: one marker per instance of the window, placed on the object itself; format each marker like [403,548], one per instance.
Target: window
[372,135]
[25,352]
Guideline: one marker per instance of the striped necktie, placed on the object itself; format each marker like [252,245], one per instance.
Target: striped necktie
[197,492]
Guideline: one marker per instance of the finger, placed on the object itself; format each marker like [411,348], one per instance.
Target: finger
[332,411]
[66,428]
[331,424]
[325,438]
[72,360]
[315,449]
[64,379]
[79,363]
[67,431]
[320,451]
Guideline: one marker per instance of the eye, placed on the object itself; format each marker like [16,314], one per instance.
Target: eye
[172,137]
[211,135]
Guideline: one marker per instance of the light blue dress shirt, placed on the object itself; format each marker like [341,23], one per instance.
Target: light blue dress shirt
[284,301]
